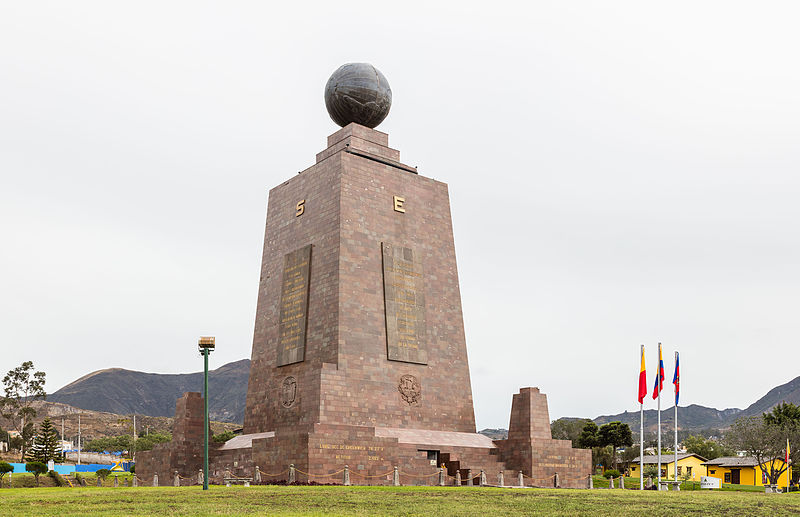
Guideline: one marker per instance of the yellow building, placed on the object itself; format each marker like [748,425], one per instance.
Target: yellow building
[742,470]
[688,465]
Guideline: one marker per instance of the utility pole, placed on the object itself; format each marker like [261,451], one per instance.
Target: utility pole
[79,438]
[133,455]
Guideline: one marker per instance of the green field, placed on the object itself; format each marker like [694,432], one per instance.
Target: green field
[433,501]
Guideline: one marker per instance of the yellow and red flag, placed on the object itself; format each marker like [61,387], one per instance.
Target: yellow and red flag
[642,381]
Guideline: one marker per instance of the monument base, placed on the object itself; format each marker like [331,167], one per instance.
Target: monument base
[320,452]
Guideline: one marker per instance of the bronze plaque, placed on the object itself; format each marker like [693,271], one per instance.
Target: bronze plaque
[294,306]
[404,299]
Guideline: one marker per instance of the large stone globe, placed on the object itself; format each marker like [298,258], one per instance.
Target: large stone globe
[358,92]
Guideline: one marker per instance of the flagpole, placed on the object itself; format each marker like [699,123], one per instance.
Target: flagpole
[641,439]
[658,380]
[676,422]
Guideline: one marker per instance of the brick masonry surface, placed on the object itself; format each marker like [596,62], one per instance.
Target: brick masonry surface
[184,453]
[346,377]
[347,403]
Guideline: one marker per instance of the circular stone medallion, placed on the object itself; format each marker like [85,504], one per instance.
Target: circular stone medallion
[410,389]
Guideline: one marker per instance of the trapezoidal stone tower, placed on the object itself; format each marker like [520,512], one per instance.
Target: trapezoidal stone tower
[359,339]
[359,356]
[359,313]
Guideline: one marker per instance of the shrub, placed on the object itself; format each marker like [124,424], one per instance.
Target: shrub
[133,468]
[57,479]
[223,436]
[611,473]
[103,473]
[37,468]
[5,468]
[651,471]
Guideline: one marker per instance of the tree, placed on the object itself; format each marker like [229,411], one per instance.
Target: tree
[111,444]
[17,442]
[764,442]
[782,415]
[103,473]
[46,444]
[37,468]
[630,454]
[223,436]
[568,429]
[5,468]
[615,434]
[707,448]
[22,387]
[588,437]
[786,417]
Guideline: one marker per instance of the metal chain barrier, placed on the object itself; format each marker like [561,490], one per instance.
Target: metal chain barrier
[365,476]
[319,475]
[419,476]
[266,474]
[548,480]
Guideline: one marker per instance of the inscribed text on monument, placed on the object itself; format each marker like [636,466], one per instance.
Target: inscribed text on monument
[404,299]
[294,306]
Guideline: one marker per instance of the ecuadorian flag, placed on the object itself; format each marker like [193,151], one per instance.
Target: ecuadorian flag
[677,379]
[660,375]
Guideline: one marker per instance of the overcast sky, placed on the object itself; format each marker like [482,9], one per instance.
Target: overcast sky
[620,173]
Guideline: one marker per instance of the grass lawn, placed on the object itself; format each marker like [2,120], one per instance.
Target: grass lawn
[433,501]
[633,483]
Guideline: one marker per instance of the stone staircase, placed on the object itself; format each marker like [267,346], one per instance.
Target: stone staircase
[472,462]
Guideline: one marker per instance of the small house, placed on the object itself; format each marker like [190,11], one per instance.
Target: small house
[689,465]
[742,470]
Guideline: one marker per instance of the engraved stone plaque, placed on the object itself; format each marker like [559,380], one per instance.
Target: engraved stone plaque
[404,299]
[288,391]
[294,306]
[410,389]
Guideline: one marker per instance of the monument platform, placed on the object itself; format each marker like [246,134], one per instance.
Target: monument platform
[359,355]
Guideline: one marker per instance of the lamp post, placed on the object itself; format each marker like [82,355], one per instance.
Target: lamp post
[206,345]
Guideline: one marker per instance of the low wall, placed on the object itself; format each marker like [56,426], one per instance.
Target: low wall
[19,468]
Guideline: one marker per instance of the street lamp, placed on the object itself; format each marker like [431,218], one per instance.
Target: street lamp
[205,345]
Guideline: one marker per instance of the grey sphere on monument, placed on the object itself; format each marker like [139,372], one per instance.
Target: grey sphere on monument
[358,92]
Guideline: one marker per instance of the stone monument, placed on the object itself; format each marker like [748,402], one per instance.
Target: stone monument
[359,355]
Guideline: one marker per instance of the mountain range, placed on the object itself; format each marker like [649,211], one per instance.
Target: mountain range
[121,391]
[697,418]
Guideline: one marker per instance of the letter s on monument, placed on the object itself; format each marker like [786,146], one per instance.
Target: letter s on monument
[301,208]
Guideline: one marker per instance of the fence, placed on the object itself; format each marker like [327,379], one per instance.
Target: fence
[348,477]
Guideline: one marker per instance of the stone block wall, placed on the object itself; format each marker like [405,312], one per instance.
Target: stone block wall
[185,452]
[531,449]
[346,376]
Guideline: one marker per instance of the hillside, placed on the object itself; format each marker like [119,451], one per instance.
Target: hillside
[789,392]
[690,418]
[100,424]
[697,418]
[121,391]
